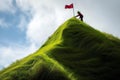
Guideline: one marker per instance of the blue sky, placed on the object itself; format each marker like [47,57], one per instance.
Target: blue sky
[10,25]
[26,24]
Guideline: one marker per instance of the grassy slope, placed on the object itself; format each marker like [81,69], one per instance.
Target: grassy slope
[75,51]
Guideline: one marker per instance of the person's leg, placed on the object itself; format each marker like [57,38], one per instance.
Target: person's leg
[81,18]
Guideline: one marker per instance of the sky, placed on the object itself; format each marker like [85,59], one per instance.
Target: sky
[26,24]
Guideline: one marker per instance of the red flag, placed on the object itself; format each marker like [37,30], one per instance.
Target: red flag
[69,6]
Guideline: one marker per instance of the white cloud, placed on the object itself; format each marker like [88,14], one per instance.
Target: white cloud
[39,28]
[7,5]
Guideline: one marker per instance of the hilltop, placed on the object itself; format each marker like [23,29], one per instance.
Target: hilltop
[75,51]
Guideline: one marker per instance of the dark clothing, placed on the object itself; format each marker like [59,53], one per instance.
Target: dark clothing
[80,15]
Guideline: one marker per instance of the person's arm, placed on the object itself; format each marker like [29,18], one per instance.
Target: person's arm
[76,15]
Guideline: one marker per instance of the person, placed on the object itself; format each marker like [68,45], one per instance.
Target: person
[80,15]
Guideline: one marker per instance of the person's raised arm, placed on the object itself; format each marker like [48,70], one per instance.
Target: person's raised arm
[76,15]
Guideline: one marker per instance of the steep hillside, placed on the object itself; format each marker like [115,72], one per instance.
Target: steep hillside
[75,51]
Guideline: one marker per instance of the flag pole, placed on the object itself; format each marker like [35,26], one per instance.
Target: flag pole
[73,10]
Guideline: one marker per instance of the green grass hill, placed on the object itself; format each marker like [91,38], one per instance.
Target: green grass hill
[75,51]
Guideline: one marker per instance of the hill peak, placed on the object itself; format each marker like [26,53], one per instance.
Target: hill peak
[77,33]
